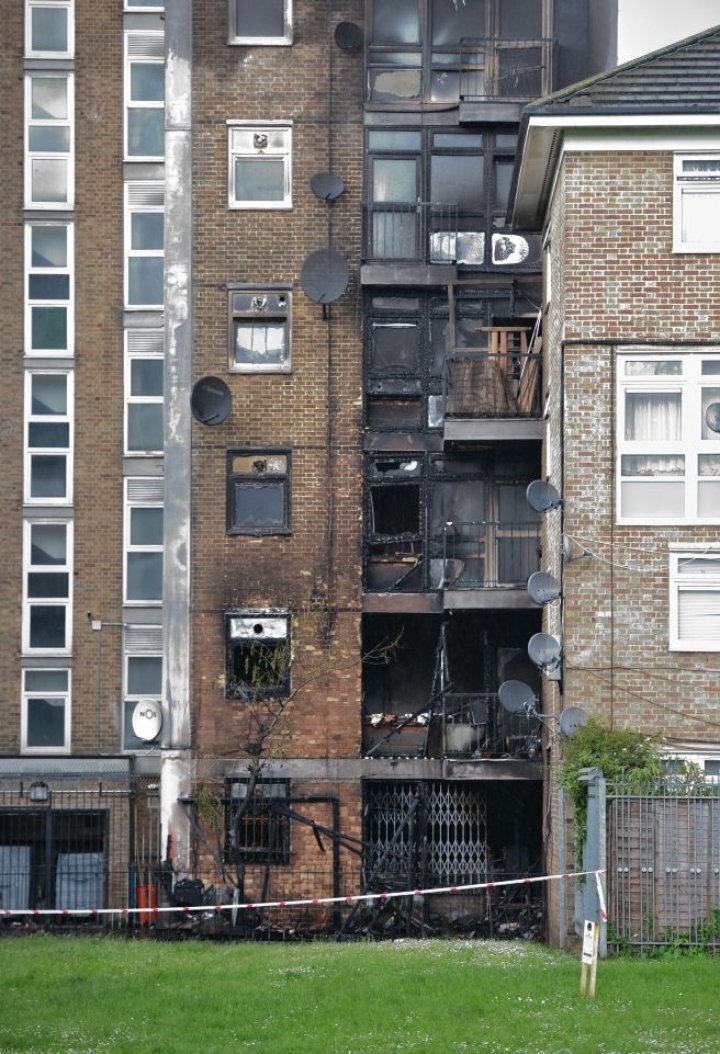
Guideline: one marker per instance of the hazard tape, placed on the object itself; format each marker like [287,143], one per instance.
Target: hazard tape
[314,902]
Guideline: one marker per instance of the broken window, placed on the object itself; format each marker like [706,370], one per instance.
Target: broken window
[259,330]
[258,656]
[258,829]
[258,500]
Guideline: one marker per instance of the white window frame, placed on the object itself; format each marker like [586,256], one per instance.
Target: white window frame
[691,445]
[145,5]
[140,345]
[141,492]
[131,699]
[146,49]
[686,184]
[65,603]
[32,270]
[67,6]
[694,574]
[260,304]
[33,156]
[27,695]
[242,139]
[32,452]
[237,37]
[142,198]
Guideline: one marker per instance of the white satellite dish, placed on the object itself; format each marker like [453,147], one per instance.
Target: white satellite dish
[516,696]
[543,588]
[571,719]
[544,649]
[147,719]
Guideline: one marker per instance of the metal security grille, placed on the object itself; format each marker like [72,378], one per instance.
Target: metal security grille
[664,867]
[430,831]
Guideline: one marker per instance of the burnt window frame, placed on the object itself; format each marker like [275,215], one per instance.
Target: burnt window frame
[258,819]
[280,479]
[245,691]
[263,303]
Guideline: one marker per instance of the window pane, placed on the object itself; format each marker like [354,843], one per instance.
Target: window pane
[49,29]
[47,476]
[144,675]
[394,179]
[700,216]
[709,498]
[147,231]
[710,414]
[49,393]
[520,19]
[144,576]
[49,179]
[653,500]
[49,328]
[48,586]
[47,626]
[145,426]
[146,526]
[49,287]
[145,283]
[46,681]
[49,246]
[146,377]
[130,740]
[395,235]
[47,434]
[395,347]
[49,98]
[457,180]
[653,368]
[48,543]
[147,82]
[455,22]
[503,175]
[394,140]
[264,19]
[396,22]
[259,343]
[652,465]
[259,179]
[653,416]
[146,132]
[259,505]
[51,139]
[46,722]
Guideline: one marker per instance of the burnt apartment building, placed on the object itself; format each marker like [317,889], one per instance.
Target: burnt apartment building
[272,399]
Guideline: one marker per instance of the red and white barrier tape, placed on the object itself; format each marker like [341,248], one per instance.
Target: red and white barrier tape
[308,902]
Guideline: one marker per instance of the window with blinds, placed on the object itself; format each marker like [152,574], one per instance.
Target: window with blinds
[695,600]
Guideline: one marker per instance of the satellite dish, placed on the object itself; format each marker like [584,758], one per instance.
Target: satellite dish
[348,36]
[712,417]
[324,276]
[544,649]
[516,696]
[542,496]
[572,719]
[327,186]
[543,588]
[147,719]
[210,400]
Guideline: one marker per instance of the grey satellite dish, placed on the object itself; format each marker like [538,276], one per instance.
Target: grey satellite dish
[542,496]
[210,400]
[572,719]
[348,36]
[712,417]
[147,719]
[516,696]
[543,588]
[544,649]
[324,276]
[327,186]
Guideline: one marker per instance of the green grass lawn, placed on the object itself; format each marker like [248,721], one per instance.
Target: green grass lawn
[70,995]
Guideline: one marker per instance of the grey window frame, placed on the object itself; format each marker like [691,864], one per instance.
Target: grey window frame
[259,478]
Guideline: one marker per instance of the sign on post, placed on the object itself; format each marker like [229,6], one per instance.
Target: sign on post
[591,936]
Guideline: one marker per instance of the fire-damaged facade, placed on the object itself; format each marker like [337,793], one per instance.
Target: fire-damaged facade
[273,399]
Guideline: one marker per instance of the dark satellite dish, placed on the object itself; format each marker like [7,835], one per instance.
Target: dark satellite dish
[544,649]
[348,36]
[542,496]
[572,719]
[327,186]
[324,276]
[210,400]
[543,588]
[516,696]
[712,417]
[147,719]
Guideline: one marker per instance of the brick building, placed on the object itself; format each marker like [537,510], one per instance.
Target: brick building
[271,405]
[620,175]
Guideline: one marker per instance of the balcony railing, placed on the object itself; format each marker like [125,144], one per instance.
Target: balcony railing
[421,232]
[481,384]
[468,555]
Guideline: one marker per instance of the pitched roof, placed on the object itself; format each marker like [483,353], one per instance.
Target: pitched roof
[684,76]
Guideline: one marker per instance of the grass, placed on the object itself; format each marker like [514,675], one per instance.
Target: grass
[70,995]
